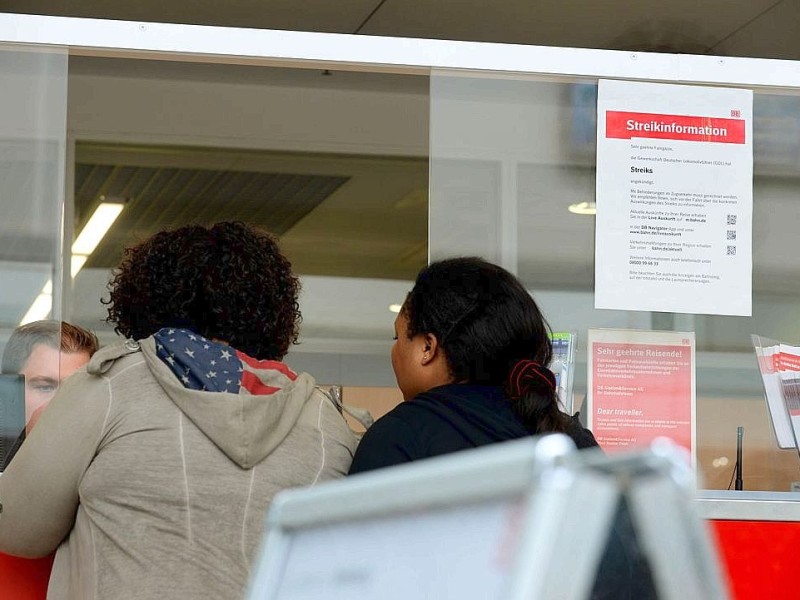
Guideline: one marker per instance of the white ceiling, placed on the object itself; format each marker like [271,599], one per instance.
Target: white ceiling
[758,28]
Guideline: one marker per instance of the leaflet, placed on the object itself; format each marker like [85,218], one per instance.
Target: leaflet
[674,198]
[779,364]
[641,386]
[563,367]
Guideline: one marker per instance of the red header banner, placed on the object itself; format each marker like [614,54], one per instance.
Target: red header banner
[627,125]
[783,361]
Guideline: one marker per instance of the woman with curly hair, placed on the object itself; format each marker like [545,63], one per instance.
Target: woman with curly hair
[152,471]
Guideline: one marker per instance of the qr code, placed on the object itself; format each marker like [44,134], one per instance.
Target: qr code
[731,219]
[731,234]
[731,251]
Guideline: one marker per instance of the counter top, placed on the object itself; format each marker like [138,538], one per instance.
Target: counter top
[749,506]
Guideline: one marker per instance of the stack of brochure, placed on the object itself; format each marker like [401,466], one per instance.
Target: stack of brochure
[563,367]
[779,364]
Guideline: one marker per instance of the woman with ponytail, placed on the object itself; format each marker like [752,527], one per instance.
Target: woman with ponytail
[470,356]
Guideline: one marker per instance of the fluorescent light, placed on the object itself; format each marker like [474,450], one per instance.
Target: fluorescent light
[96,227]
[41,307]
[93,232]
[583,208]
[78,260]
[395,308]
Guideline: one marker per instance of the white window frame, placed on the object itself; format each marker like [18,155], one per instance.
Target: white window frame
[196,43]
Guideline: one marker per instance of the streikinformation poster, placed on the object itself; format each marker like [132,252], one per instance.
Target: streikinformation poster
[674,198]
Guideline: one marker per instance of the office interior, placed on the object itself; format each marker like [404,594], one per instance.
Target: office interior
[365,172]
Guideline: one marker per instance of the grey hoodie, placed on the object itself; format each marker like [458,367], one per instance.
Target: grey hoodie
[152,490]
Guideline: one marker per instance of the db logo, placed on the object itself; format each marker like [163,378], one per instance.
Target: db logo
[685,341]
[736,113]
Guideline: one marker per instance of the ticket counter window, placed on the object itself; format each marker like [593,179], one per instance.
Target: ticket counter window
[513,178]
[32,158]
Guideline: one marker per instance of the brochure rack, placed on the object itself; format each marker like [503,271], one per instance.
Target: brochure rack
[779,365]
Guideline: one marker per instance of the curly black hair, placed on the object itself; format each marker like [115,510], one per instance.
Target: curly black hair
[228,282]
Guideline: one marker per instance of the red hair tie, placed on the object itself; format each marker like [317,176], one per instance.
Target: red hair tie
[528,374]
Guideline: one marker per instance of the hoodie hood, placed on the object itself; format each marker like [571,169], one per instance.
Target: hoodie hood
[247,410]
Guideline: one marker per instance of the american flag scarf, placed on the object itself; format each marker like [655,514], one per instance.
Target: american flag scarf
[201,364]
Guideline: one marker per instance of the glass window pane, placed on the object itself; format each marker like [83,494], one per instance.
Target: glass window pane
[335,164]
[509,156]
[32,155]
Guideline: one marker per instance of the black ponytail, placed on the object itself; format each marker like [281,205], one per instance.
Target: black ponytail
[532,389]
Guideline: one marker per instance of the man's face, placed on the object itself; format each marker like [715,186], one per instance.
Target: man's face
[44,370]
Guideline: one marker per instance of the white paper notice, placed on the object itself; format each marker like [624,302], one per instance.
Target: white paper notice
[674,198]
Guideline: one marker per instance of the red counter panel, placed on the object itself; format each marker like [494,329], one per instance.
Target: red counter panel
[761,558]
[23,579]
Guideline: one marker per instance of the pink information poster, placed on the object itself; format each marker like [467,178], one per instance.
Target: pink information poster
[641,386]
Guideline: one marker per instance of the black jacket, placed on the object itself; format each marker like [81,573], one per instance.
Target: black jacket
[457,417]
[446,419]
[11,451]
